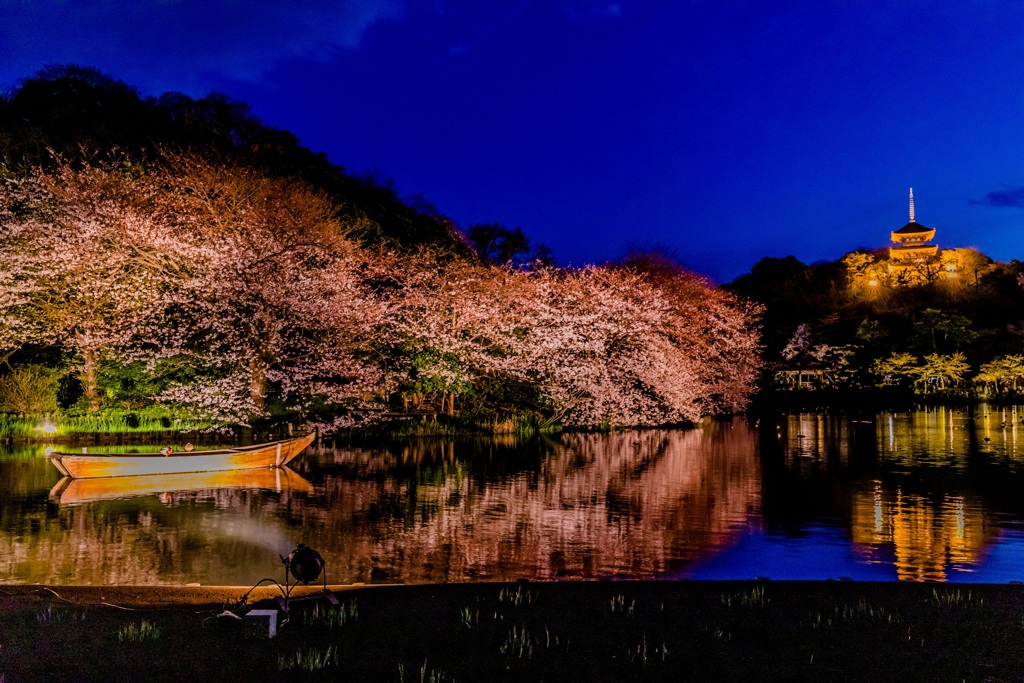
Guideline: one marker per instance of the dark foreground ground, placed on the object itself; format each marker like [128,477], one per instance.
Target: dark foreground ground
[602,631]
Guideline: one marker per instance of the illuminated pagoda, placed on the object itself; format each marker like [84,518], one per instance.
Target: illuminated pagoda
[912,260]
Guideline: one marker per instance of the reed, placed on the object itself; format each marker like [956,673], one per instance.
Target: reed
[18,427]
[52,615]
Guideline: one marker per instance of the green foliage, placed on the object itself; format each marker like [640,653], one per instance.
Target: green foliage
[29,390]
[434,372]
[901,366]
[150,420]
[942,332]
[14,427]
[128,385]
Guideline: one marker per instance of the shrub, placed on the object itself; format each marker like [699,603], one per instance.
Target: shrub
[29,390]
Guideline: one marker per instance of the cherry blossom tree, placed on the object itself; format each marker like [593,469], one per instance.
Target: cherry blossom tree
[715,325]
[88,259]
[272,292]
[235,286]
[606,346]
[450,327]
[18,198]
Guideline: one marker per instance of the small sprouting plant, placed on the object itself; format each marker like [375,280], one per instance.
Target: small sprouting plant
[641,651]
[516,598]
[518,643]
[719,634]
[313,659]
[427,675]
[58,616]
[618,604]
[955,598]
[468,617]
[331,616]
[138,633]
[754,598]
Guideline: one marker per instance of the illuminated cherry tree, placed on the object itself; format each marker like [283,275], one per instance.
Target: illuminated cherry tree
[246,286]
[273,292]
[616,346]
[449,327]
[88,261]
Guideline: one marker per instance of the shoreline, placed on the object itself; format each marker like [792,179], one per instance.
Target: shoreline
[580,630]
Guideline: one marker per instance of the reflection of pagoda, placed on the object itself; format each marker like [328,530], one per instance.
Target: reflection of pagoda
[926,538]
[913,260]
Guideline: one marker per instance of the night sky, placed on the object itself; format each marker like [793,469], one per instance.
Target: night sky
[724,131]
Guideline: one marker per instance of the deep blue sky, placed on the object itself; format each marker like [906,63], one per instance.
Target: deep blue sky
[724,130]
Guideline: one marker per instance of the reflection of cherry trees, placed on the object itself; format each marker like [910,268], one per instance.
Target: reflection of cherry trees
[640,504]
[630,504]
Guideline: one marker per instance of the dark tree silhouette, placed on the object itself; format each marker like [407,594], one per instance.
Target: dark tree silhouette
[494,243]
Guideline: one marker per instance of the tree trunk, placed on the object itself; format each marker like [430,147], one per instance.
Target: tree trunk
[90,380]
[257,383]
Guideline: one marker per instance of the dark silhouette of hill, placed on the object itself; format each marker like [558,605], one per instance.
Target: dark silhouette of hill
[75,112]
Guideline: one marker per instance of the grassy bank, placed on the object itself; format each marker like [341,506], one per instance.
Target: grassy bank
[604,631]
[141,423]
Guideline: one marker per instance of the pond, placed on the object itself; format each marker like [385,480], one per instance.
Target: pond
[933,494]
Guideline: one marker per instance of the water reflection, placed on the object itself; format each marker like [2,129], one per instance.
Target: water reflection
[920,491]
[581,506]
[926,495]
[69,491]
[925,537]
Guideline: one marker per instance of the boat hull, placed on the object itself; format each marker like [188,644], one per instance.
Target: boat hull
[88,466]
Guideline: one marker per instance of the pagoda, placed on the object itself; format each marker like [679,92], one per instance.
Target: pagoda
[912,260]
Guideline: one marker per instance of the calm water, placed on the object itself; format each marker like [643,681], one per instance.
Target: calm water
[930,495]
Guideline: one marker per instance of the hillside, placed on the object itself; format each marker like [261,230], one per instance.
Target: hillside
[72,112]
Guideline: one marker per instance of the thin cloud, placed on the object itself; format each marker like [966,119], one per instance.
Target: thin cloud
[184,45]
[1012,198]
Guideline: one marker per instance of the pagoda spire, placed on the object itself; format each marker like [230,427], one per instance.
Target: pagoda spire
[912,206]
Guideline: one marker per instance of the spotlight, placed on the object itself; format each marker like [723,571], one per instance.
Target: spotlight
[305,564]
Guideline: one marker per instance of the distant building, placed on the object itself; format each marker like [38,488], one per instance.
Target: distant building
[913,261]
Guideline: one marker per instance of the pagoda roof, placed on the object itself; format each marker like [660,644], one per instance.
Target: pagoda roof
[912,228]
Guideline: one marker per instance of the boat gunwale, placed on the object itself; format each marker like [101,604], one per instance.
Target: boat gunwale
[180,454]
